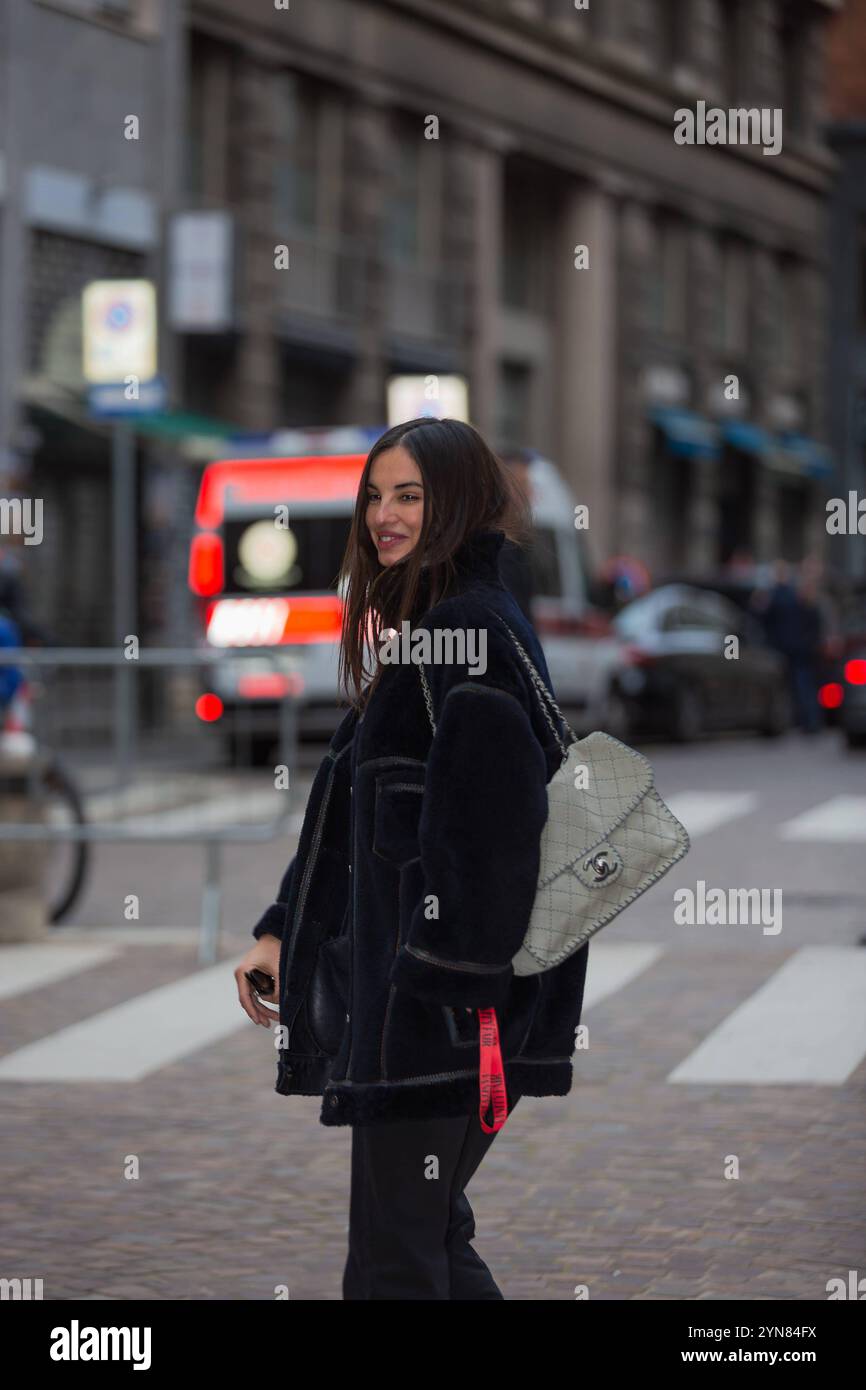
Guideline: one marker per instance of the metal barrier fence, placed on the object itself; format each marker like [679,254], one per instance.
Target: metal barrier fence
[95,685]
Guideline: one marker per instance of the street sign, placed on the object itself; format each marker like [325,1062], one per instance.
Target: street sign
[119,330]
[200,271]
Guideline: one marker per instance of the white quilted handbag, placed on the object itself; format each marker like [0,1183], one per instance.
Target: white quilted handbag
[603,844]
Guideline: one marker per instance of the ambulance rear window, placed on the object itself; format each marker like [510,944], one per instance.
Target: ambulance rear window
[544,559]
[264,558]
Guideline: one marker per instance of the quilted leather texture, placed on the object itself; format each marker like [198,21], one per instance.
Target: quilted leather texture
[617,825]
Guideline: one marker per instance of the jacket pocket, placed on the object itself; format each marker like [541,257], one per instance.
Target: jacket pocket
[396,817]
[328,995]
[462,1026]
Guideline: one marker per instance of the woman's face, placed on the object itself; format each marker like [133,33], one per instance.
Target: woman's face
[395,504]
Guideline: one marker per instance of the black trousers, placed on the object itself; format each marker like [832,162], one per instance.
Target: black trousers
[409,1228]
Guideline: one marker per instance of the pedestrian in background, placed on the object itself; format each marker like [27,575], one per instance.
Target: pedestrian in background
[794,627]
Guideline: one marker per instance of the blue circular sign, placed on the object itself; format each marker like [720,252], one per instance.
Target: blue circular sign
[119,314]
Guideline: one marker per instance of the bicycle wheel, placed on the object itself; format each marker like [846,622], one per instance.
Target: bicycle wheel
[69,858]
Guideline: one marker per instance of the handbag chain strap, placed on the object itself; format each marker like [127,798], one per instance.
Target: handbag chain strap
[540,688]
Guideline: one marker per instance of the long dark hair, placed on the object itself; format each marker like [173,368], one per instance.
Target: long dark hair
[466,489]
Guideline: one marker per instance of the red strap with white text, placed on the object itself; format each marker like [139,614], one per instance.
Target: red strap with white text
[491,1073]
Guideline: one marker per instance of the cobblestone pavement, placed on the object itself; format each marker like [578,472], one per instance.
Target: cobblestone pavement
[620,1186]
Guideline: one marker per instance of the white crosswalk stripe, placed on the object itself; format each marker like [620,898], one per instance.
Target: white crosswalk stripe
[703,811]
[134,1039]
[842,820]
[25,967]
[613,965]
[805,1026]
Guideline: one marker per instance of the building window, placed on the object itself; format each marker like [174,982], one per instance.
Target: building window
[402,225]
[194,178]
[296,163]
[772,281]
[792,287]
[729,21]
[793,37]
[668,276]
[733,297]
[207,159]
[527,260]
[792,505]
[513,405]
[672,23]
[784,290]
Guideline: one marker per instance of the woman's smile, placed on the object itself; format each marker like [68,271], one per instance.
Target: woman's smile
[386,539]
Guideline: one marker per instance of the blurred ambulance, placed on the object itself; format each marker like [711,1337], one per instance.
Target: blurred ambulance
[269,538]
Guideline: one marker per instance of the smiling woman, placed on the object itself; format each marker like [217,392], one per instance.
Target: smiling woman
[396,925]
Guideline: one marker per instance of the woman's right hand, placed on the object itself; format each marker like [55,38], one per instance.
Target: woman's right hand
[263,955]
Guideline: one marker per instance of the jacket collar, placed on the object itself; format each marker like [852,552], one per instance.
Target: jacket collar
[477,558]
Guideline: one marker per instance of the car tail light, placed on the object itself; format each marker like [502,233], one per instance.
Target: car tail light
[590,624]
[206,575]
[855,671]
[268,685]
[635,656]
[830,696]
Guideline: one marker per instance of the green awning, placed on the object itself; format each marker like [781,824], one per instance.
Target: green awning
[195,436]
[180,424]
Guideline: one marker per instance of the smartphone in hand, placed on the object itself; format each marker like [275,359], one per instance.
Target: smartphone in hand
[261,981]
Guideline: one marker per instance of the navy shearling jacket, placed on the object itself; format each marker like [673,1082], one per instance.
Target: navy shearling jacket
[414,880]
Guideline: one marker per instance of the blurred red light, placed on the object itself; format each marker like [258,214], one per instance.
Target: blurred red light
[635,656]
[209,708]
[206,564]
[855,671]
[268,686]
[263,622]
[830,696]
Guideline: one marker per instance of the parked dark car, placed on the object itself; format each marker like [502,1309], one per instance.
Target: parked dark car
[675,678]
[844,613]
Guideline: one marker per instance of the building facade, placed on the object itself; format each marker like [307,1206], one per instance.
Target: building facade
[433,169]
[403,186]
[82,196]
[846,133]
